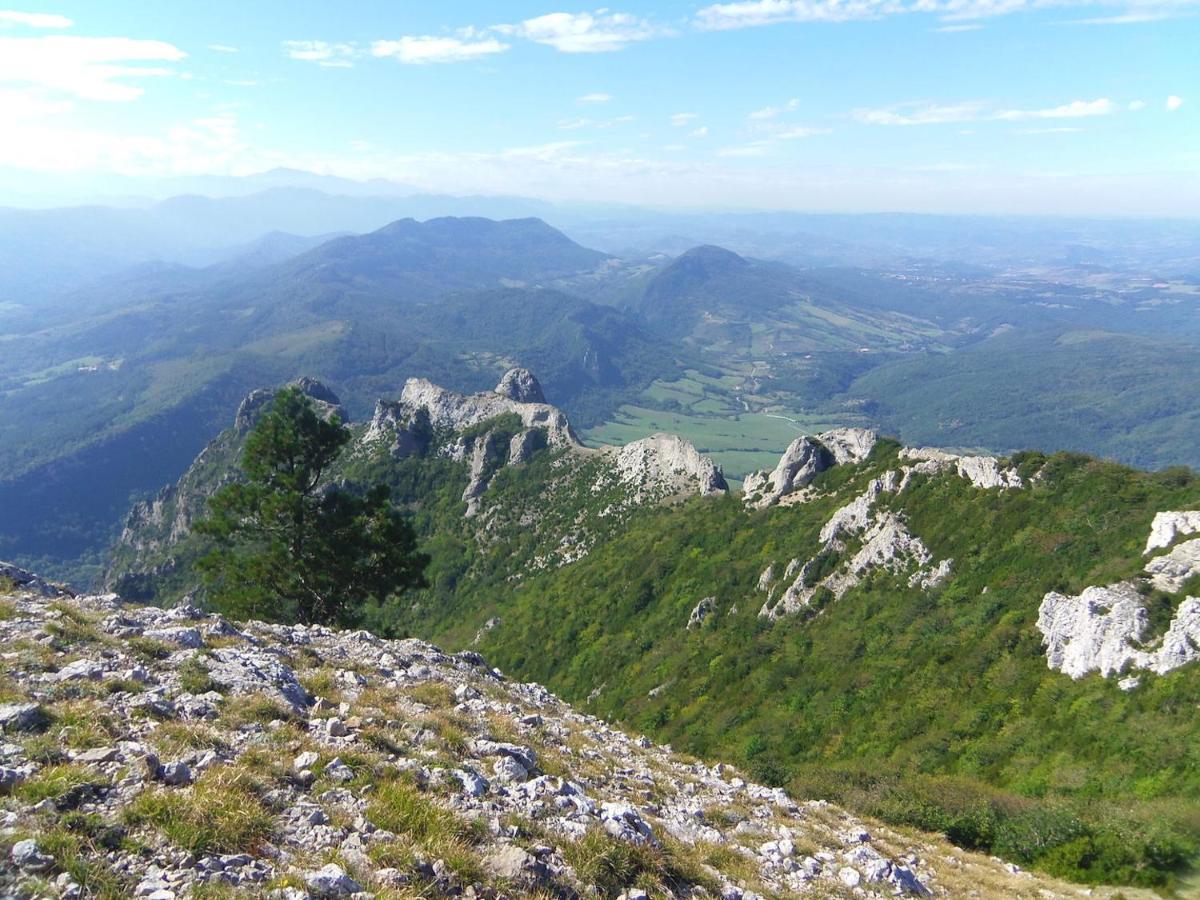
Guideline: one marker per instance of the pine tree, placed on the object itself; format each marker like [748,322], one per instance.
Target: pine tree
[292,548]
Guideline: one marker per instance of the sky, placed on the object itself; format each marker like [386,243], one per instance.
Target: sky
[1004,106]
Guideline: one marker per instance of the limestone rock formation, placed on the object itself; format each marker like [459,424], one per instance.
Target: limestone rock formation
[221,731]
[520,385]
[452,411]
[1169,525]
[982,471]
[804,459]
[882,539]
[1105,629]
[667,462]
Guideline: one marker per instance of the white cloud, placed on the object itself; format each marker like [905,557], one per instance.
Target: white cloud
[940,114]
[955,29]
[596,97]
[572,124]
[201,146]
[917,114]
[1074,110]
[1062,129]
[1137,105]
[770,112]
[90,68]
[222,48]
[1173,103]
[681,119]
[598,32]
[701,132]
[33,20]
[749,13]
[428,49]
[755,148]
[324,53]
[23,105]
[791,134]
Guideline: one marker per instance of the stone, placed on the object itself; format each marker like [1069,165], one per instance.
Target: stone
[700,612]
[507,769]
[521,386]
[28,856]
[330,881]
[80,670]
[335,727]
[513,864]
[187,638]
[849,877]
[803,460]
[306,760]
[176,774]
[473,785]
[10,778]
[97,755]
[18,717]
[338,770]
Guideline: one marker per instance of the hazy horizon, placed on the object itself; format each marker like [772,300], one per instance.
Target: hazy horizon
[1068,107]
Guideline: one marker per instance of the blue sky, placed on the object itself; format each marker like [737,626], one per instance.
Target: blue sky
[1039,106]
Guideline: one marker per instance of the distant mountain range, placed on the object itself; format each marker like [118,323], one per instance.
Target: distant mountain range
[110,389]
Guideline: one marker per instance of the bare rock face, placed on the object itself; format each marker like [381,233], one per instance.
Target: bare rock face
[1095,631]
[19,578]
[453,411]
[982,471]
[1169,525]
[802,461]
[1104,629]
[849,445]
[520,385]
[668,463]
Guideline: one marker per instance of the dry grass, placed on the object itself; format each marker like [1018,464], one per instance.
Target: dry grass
[220,813]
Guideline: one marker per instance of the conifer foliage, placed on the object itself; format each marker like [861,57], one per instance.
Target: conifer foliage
[291,548]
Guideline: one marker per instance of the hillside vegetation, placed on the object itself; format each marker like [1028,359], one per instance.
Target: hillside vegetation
[933,706]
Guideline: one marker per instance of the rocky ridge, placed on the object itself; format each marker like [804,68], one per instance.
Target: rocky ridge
[155,753]
[860,537]
[1107,629]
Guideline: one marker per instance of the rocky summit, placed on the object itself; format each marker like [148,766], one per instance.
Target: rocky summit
[169,753]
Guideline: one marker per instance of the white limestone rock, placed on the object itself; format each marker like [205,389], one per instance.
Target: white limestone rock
[982,471]
[1169,525]
[802,461]
[1170,571]
[520,385]
[849,445]
[453,411]
[666,463]
[1094,632]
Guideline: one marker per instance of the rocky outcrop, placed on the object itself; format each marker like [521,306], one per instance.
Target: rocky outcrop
[667,464]
[1106,629]
[451,411]
[804,459]
[312,791]
[324,400]
[1170,571]
[14,577]
[520,385]
[700,612]
[856,540]
[1167,526]
[983,472]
